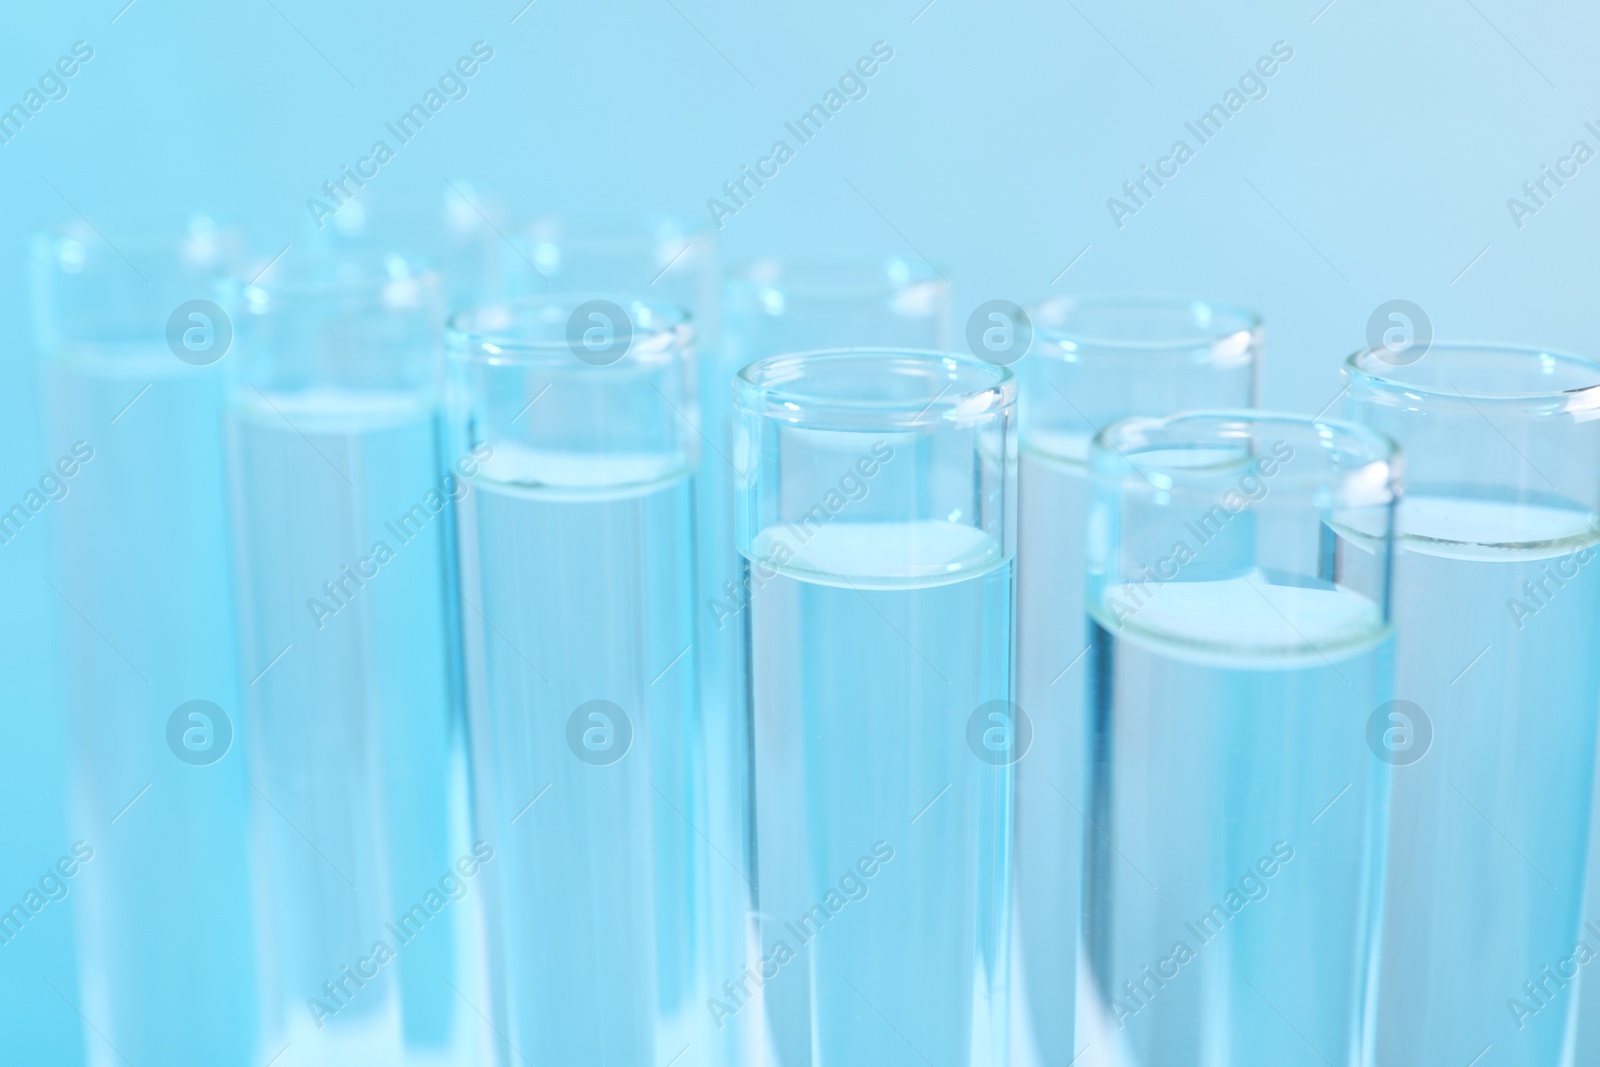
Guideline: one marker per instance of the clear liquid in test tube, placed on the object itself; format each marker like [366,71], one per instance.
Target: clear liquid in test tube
[1093,360]
[589,744]
[1238,600]
[1497,599]
[775,306]
[158,798]
[343,532]
[876,519]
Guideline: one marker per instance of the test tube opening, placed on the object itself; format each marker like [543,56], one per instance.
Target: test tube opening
[1277,523]
[884,465]
[1152,326]
[577,394]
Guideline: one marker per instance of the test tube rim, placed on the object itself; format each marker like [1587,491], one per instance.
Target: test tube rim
[873,282]
[167,245]
[759,391]
[1241,342]
[1369,374]
[295,279]
[607,232]
[668,242]
[1375,478]
[670,339]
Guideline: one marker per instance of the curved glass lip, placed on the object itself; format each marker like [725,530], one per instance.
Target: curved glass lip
[646,228]
[834,275]
[1238,344]
[1368,470]
[765,388]
[211,249]
[673,243]
[364,268]
[667,339]
[1369,373]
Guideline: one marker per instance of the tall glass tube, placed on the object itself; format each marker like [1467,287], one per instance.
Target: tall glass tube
[796,304]
[1238,598]
[773,306]
[676,265]
[343,546]
[876,523]
[1093,360]
[456,226]
[578,587]
[1498,604]
[1587,1006]
[673,262]
[136,487]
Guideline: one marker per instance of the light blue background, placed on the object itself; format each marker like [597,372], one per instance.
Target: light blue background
[1378,167]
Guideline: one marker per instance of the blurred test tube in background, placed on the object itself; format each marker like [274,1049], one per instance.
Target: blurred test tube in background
[1092,360]
[663,258]
[342,494]
[131,344]
[458,228]
[589,768]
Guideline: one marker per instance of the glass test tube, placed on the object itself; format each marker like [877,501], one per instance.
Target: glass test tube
[675,263]
[135,431]
[801,303]
[677,266]
[797,304]
[456,227]
[578,589]
[1494,743]
[343,542]
[1238,599]
[877,524]
[1587,1007]
[1093,360]
[771,307]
